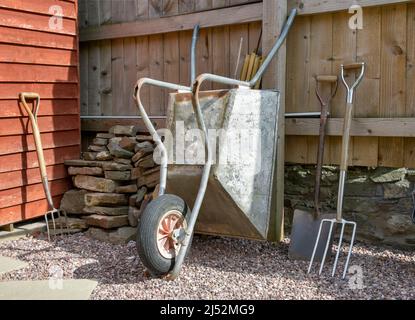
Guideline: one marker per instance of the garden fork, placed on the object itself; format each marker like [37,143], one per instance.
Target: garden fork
[339,221]
[24,96]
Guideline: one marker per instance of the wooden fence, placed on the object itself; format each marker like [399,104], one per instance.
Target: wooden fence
[149,42]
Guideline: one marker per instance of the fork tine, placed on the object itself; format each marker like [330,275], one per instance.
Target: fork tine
[315,247]
[346,267]
[47,226]
[327,247]
[338,250]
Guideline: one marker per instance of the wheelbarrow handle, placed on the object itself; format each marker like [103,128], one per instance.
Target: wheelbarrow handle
[150,127]
[275,48]
[195,38]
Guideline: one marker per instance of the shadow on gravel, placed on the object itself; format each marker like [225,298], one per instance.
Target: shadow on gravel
[119,264]
[232,262]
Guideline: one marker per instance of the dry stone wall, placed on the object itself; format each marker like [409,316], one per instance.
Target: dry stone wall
[378,199]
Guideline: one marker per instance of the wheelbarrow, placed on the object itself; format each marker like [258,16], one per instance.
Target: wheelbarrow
[224,188]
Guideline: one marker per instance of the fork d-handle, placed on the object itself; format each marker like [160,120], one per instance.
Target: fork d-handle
[24,96]
[346,130]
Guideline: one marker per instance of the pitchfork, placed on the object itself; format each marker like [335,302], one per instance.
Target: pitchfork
[339,221]
[41,159]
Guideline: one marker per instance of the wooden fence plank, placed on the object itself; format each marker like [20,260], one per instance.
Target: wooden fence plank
[142,9]
[393,69]
[84,75]
[204,61]
[365,151]
[143,67]
[171,61]
[409,143]
[220,52]
[321,53]
[105,12]
[117,11]
[105,84]
[82,13]
[94,71]
[298,90]
[202,5]
[117,76]
[156,68]
[130,75]
[361,127]
[318,6]
[186,6]
[206,19]
[185,40]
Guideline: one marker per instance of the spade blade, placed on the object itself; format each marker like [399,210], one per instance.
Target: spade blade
[304,235]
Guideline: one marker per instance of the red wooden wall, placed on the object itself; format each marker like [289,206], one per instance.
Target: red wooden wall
[35,57]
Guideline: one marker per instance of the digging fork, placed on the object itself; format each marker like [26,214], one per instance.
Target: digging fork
[24,96]
[339,221]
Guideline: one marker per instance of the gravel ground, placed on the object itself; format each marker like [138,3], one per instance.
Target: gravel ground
[217,268]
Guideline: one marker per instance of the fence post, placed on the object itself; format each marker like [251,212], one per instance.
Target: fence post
[274,17]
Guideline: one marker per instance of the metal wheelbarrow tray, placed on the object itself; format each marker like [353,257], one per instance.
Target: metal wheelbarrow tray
[239,195]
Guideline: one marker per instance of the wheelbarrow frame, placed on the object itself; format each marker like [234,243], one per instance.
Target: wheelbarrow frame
[185,237]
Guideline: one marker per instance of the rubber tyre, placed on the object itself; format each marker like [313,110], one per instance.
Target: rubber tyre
[156,264]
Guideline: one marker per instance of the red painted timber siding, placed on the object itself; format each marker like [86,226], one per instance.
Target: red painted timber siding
[35,58]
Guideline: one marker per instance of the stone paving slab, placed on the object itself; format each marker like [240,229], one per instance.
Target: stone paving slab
[47,290]
[9,264]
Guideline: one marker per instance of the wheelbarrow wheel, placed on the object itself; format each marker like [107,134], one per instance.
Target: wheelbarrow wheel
[156,247]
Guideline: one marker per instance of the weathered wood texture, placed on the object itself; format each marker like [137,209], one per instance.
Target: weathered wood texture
[110,68]
[318,45]
[36,57]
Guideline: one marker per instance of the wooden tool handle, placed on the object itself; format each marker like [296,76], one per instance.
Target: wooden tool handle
[346,137]
[29,96]
[36,131]
[326,78]
[354,65]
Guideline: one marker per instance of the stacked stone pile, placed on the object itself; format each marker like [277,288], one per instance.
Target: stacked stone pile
[114,182]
